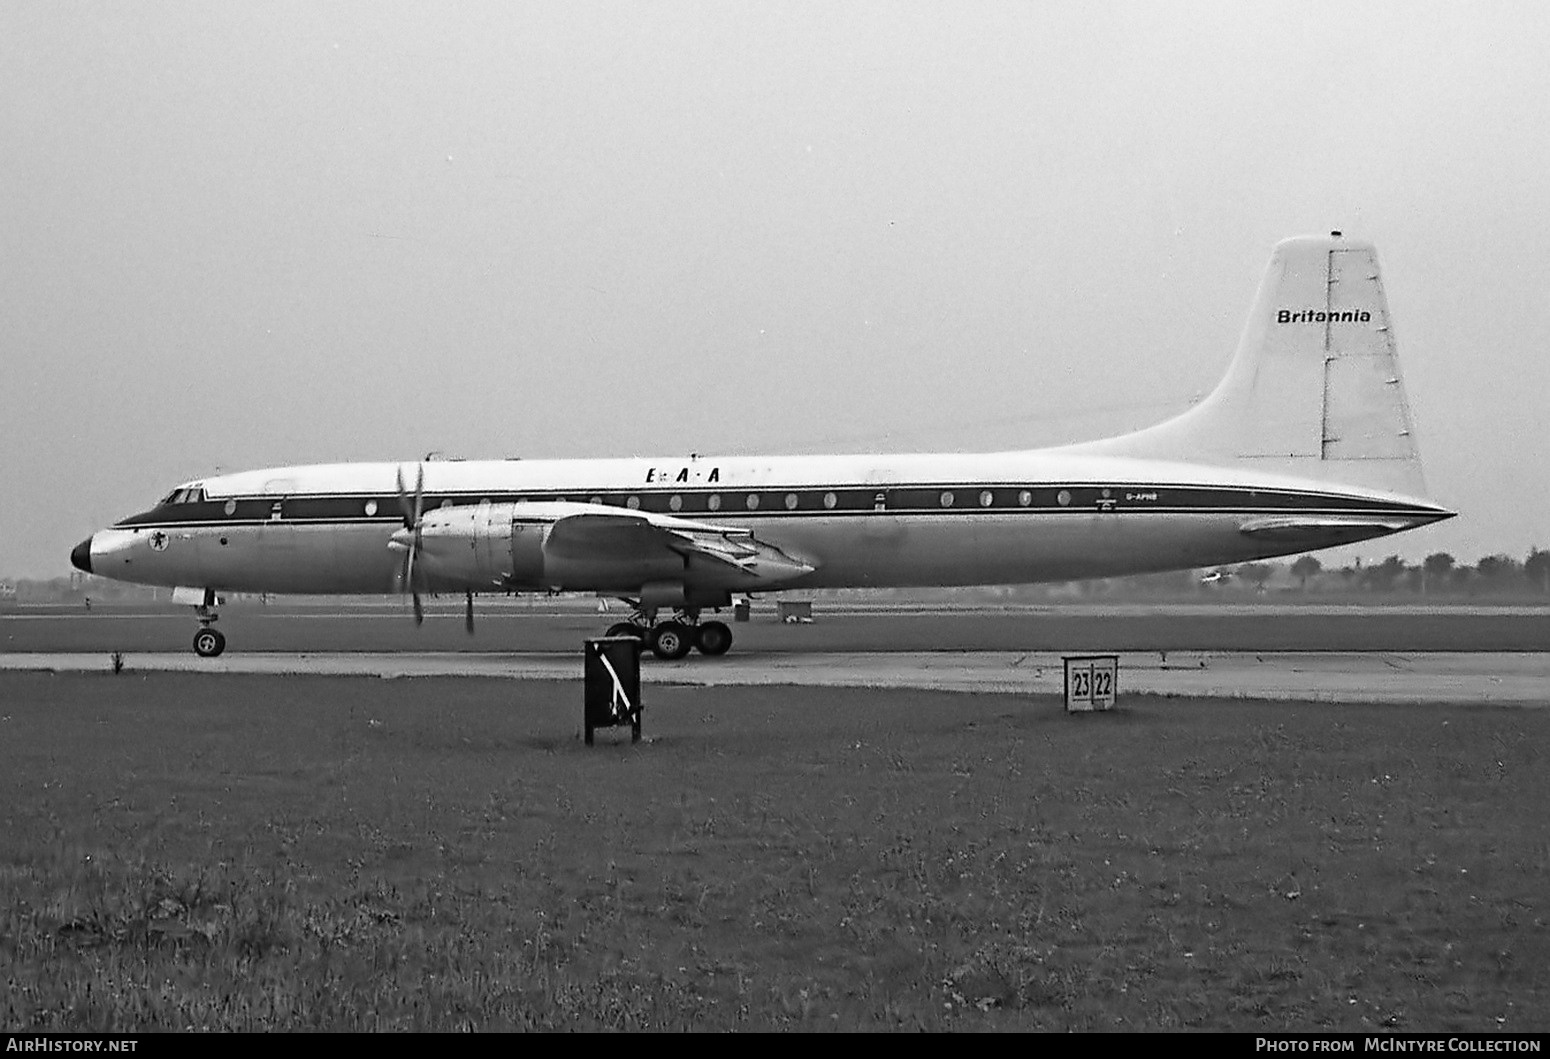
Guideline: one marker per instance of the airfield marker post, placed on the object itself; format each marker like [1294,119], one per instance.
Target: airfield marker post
[1091,681]
[612,684]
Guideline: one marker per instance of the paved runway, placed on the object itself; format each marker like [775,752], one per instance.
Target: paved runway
[1308,652]
[559,626]
[1483,678]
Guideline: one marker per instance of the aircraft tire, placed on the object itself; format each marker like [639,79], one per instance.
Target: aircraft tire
[208,643]
[670,641]
[714,639]
[625,628]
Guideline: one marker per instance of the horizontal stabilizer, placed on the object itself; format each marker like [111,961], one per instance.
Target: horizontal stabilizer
[1307,532]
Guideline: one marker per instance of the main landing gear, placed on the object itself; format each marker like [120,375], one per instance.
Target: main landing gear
[208,641]
[673,639]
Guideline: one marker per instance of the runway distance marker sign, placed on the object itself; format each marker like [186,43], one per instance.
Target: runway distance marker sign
[1091,681]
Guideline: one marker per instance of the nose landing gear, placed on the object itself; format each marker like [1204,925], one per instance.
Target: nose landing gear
[208,641]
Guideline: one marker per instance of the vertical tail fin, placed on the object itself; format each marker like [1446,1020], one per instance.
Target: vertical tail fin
[1314,390]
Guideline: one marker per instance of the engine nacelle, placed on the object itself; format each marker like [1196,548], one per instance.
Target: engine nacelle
[484,546]
[507,546]
[516,546]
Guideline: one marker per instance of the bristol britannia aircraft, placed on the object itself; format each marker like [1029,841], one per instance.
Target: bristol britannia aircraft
[1306,443]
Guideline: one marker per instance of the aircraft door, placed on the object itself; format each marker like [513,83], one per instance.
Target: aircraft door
[279,550]
[881,526]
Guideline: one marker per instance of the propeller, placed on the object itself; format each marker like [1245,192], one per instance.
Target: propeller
[410,540]
[412,511]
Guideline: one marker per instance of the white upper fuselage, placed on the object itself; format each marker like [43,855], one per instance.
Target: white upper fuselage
[855,520]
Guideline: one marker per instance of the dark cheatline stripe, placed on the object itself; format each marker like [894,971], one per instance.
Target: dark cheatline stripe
[959,499]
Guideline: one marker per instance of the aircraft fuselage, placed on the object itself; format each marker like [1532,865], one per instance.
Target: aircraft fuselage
[856,521]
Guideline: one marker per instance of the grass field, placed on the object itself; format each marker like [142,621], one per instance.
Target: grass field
[308,853]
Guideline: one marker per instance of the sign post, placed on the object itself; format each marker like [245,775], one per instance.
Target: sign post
[613,684]
[1090,682]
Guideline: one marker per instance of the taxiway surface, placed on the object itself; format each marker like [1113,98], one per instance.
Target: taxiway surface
[560,626]
[1493,678]
[1480,655]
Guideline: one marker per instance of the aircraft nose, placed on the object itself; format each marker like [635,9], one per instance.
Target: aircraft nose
[80,556]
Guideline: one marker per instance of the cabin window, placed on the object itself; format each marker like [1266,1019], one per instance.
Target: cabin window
[371,508]
[1025,498]
[633,503]
[987,498]
[829,500]
[231,507]
[714,503]
[753,502]
[791,501]
[1063,498]
[947,499]
[595,500]
[675,503]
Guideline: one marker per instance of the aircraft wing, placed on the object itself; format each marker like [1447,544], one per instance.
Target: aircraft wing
[616,535]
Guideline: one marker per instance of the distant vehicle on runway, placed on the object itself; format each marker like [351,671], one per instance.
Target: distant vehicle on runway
[1306,443]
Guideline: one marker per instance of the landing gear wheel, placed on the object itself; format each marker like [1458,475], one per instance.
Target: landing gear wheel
[208,643]
[670,641]
[625,628]
[714,639]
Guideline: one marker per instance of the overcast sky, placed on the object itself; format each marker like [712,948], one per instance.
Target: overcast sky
[241,235]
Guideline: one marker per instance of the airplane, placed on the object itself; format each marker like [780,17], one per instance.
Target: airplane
[1306,443]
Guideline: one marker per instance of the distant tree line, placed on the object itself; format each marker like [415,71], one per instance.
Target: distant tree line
[1439,575]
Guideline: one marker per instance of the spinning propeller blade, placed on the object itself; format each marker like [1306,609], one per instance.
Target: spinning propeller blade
[412,511]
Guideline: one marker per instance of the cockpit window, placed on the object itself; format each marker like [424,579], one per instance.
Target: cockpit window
[184,495]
